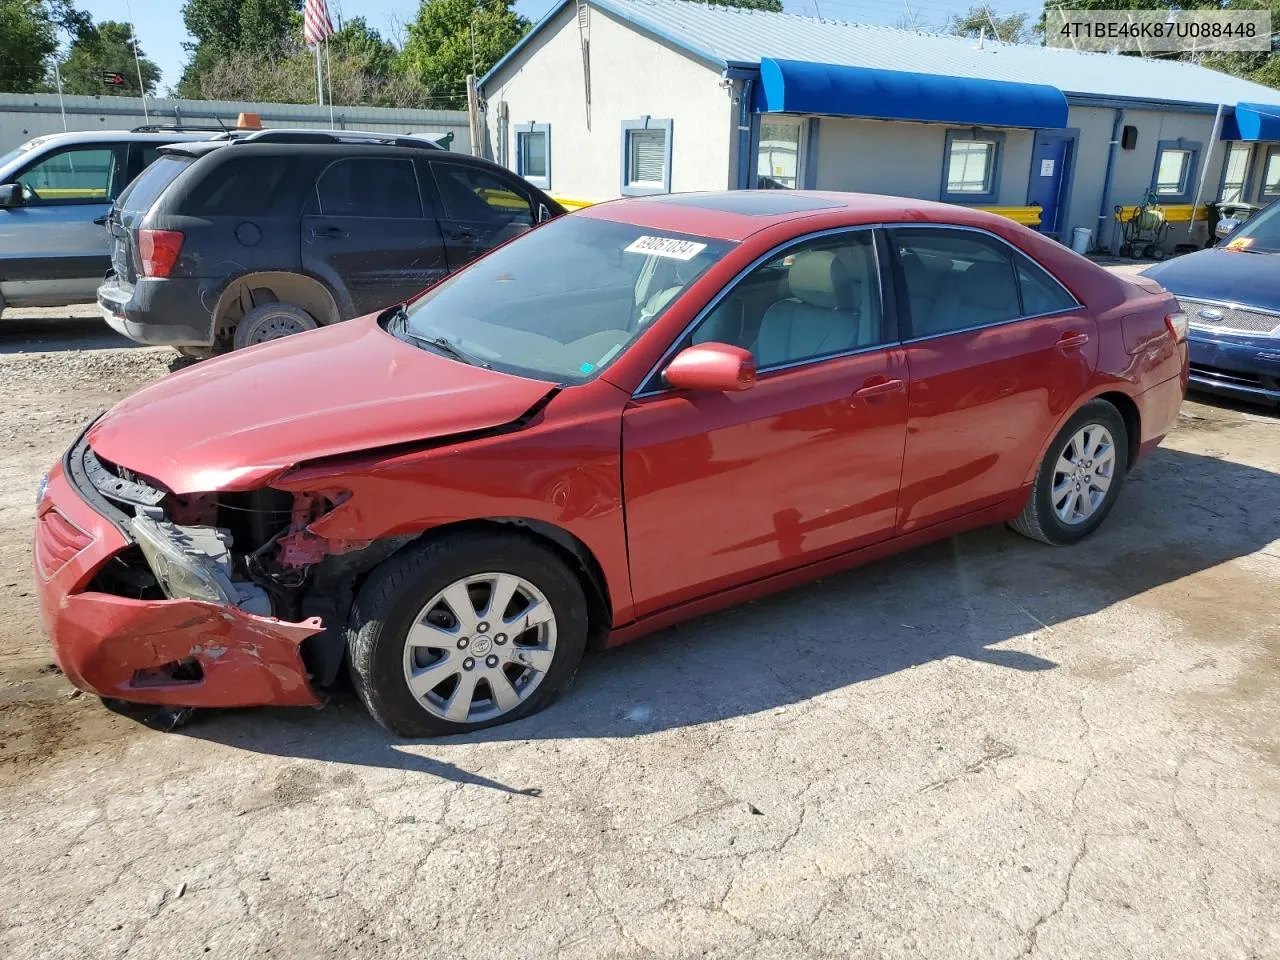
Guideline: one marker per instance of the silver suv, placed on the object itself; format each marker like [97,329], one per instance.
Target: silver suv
[55,192]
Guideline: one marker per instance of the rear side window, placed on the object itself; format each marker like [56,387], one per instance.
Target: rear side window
[144,191]
[1040,292]
[369,187]
[955,280]
[240,187]
[470,193]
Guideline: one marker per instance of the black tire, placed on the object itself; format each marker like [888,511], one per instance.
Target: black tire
[271,321]
[394,594]
[1038,519]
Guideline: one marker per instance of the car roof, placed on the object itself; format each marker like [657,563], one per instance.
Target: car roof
[737,214]
[112,136]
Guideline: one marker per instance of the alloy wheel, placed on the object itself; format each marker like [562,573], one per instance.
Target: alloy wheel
[1083,474]
[480,647]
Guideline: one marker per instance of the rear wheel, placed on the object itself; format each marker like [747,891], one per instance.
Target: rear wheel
[271,321]
[465,632]
[1080,478]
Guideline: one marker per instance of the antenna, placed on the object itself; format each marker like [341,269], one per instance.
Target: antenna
[137,63]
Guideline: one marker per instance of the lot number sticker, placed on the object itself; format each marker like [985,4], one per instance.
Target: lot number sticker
[667,247]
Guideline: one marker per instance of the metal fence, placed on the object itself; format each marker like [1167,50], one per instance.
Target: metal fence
[23,116]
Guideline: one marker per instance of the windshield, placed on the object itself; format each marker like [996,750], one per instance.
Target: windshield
[1259,234]
[562,302]
[16,152]
[139,195]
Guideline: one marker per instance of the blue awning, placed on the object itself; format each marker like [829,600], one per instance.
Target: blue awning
[1252,121]
[793,86]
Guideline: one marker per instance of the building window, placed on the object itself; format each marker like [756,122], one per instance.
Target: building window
[971,166]
[533,153]
[780,157]
[1271,174]
[1235,172]
[646,156]
[1174,175]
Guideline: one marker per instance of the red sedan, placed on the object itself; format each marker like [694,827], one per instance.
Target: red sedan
[625,418]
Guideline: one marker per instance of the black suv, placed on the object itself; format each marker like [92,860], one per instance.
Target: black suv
[227,243]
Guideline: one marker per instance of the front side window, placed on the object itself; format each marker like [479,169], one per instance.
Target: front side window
[1271,174]
[565,300]
[1235,172]
[471,193]
[817,299]
[971,166]
[1175,170]
[533,153]
[646,156]
[78,175]
[954,279]
[375,187]
[780,158]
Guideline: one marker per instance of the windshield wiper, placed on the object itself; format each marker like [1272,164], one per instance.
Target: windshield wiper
[399,327]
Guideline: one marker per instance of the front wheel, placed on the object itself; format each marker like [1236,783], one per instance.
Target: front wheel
[465,632]
[1080,477]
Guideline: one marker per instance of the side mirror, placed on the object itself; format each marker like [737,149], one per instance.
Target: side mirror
[712,366]
[10,195]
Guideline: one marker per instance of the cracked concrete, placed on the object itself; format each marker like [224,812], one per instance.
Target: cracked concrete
[983,749]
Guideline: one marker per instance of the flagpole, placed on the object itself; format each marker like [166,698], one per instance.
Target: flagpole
[328,66]
[319,79]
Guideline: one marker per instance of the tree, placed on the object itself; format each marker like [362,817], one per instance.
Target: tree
[356,39]
[222,26]
[439,50]
[106,48]
[28,37]
[291,78]
[984,19]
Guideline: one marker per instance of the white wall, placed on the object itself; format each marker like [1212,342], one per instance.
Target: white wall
[23,116]
[906,159]
[1131,177]
[632,75]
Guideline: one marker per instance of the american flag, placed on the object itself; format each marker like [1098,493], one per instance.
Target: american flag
[316,24]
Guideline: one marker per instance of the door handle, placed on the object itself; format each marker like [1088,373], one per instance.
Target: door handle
[1070,341]
[878,387]
[329,233]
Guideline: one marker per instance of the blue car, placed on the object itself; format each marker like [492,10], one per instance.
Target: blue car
[1231,295]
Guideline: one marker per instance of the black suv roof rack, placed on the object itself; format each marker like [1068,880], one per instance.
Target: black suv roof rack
[179,128]
[297,135]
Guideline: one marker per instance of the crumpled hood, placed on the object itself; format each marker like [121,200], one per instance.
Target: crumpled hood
[233,422]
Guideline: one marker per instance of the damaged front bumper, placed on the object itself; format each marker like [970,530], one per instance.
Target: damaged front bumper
[182,652]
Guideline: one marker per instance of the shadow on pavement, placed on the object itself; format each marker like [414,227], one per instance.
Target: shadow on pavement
[967,597]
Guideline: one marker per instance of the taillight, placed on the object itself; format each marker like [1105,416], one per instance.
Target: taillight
[158,250]
[1177,324]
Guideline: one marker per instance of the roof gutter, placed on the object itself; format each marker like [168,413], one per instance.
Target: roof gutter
[1109,102]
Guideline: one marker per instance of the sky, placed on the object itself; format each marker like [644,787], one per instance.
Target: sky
[161,31]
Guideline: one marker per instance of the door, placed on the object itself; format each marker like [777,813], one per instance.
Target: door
[51,251]
[998,351]
[723,488]
[480,208]
[1050,173]
[365,232]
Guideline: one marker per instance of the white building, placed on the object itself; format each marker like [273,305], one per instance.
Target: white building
[613,97]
